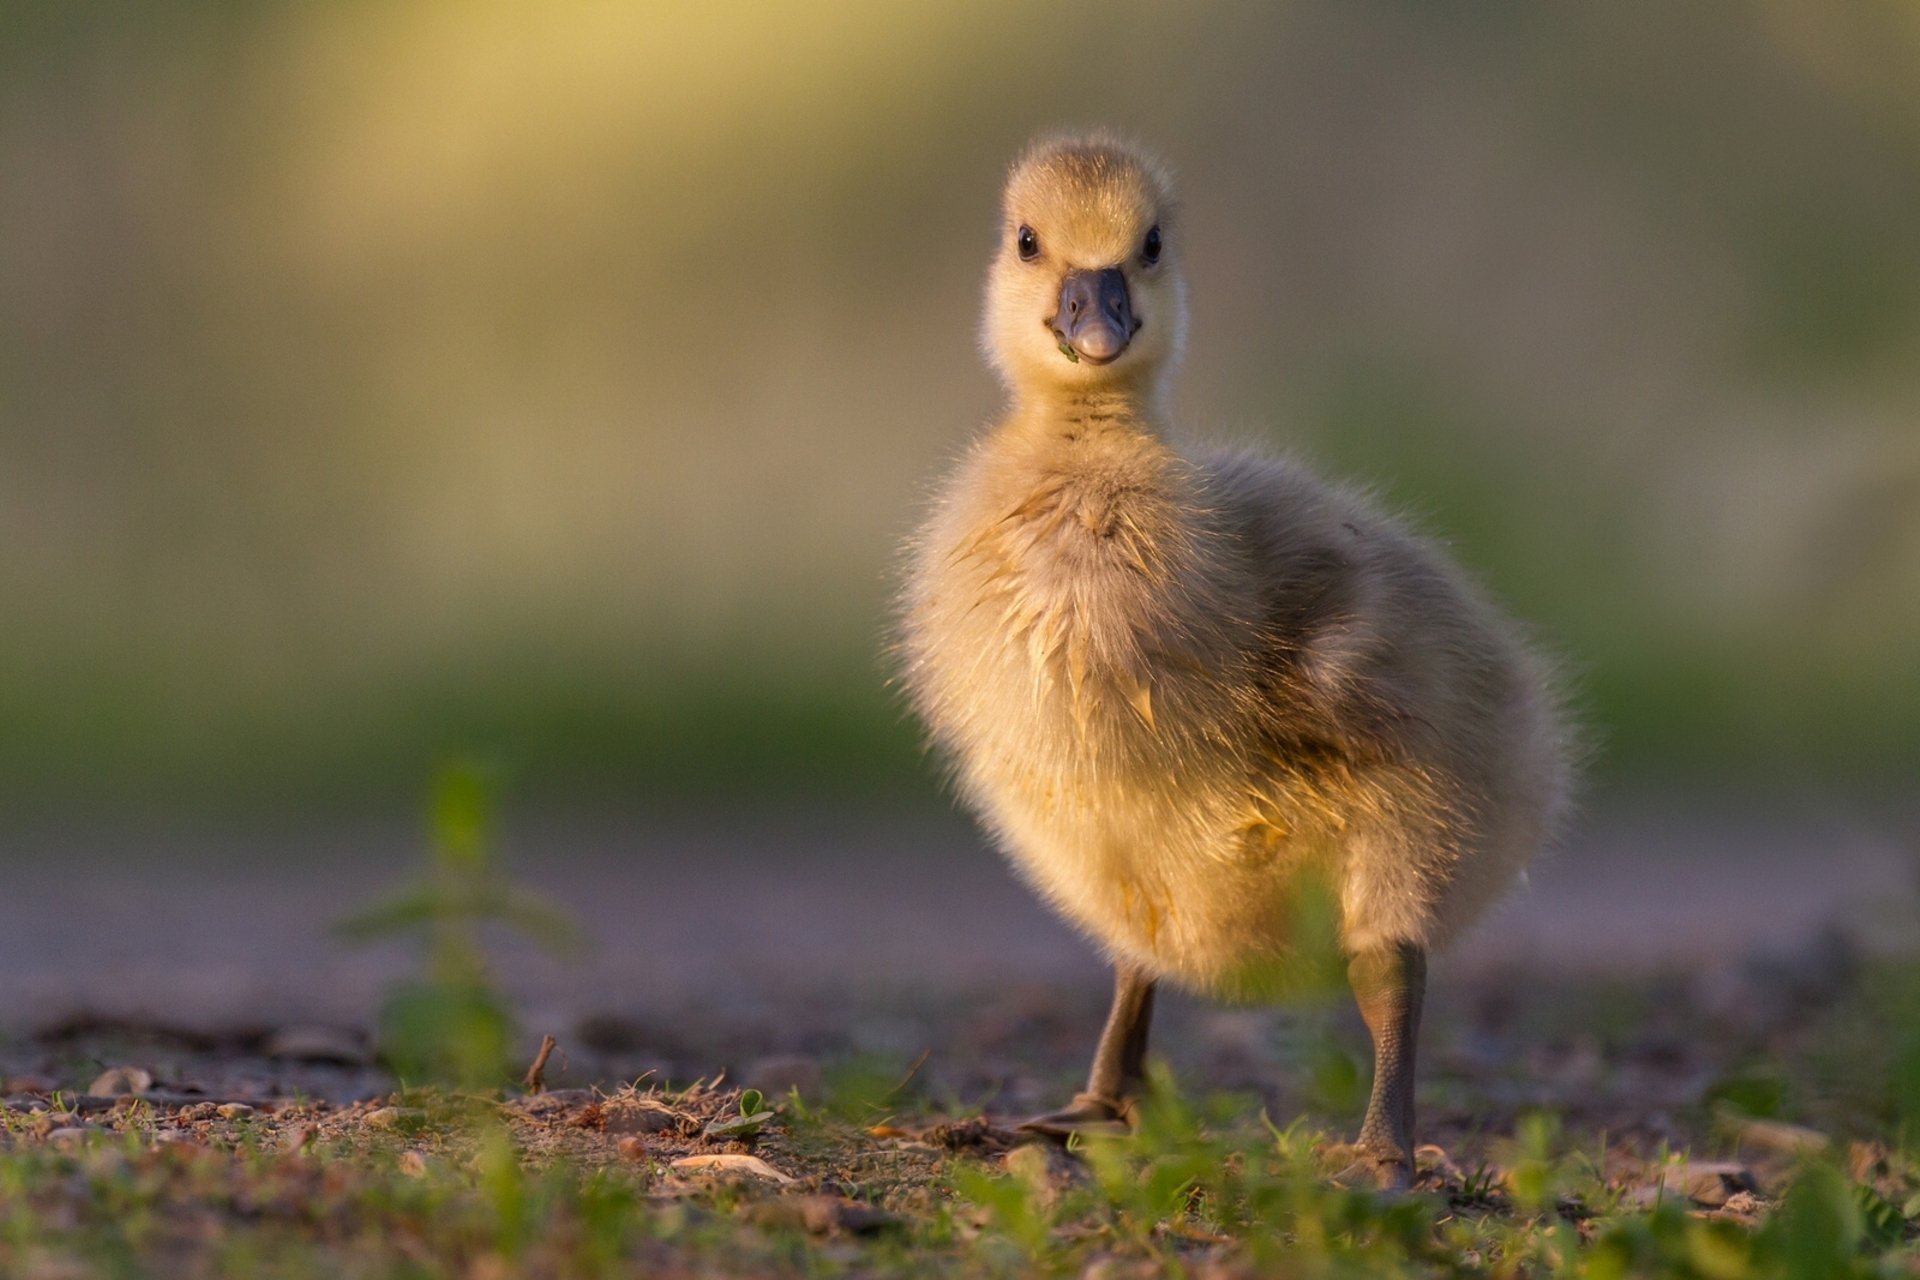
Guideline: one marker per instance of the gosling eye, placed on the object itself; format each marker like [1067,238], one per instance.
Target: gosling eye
[1151,250]
[1028,244]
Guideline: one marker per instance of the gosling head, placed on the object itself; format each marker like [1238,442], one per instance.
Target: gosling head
[1085,292]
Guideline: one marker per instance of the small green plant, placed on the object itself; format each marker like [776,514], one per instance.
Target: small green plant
[452,1024]
[753,1114]
[1535,1176]
[1482,1186]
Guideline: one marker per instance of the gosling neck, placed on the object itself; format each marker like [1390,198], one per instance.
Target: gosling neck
[1128,406]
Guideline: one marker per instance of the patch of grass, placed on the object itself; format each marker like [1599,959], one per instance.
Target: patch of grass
[1194,1187]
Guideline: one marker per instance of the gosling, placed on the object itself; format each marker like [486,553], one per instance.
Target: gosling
[1177,685]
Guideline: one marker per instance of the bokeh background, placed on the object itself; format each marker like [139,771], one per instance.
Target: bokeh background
[535,395]
[380,381]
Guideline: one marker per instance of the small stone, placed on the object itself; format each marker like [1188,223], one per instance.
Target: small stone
[47,1121]
[413,1163]
[1709,1184]
[119,1082]
[232,1110]
[394,1118]
[633,1148]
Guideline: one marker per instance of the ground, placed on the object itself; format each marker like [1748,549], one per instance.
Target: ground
[1730,1107]
[1601,1114]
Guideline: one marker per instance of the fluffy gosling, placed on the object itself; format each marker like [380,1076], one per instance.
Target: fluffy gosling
[1175,684]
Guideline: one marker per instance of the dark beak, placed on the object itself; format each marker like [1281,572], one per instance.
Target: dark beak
[1095,320]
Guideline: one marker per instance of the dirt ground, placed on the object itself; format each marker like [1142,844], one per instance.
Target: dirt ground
[906,1002]
[882,1105]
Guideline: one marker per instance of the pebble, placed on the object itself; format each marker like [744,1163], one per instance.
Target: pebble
[121,1082]
[1708,1184]
[642,1115]
[394,1117]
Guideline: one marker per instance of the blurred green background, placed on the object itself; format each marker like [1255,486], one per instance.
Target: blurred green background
[557,381]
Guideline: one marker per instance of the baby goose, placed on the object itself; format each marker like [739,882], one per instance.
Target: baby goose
[1174,684]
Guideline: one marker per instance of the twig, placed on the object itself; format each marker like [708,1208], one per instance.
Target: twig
[907,1079]
[536,1080]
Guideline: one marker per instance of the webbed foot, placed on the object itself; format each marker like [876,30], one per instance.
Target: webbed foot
[1376,1170]
[1086,1114]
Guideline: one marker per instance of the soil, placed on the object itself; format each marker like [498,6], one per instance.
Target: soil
[1654,977]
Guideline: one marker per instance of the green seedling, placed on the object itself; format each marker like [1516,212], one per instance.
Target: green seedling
[753,1114]
[452,1024]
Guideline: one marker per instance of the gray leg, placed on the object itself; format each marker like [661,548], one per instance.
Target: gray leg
[1389,985]
[1119,1065]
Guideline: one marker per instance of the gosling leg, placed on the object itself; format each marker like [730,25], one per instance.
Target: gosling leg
[1388,984]
[1119,1065]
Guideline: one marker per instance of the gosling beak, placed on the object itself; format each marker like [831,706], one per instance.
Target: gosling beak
[1095,320]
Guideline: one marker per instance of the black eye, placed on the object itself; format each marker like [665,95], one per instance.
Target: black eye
[1028,244]
[1151,250]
